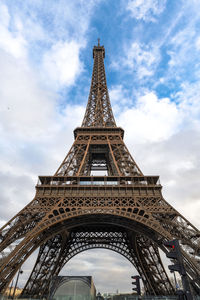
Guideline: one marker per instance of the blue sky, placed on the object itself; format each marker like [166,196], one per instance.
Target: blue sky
[153,74]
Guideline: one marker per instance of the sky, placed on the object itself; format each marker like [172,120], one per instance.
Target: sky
[153,74]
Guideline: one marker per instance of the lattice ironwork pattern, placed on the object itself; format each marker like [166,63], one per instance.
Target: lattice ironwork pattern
[98,112]
[79,208]
[61,248]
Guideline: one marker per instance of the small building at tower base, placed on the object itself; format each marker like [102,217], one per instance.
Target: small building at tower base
[72,288]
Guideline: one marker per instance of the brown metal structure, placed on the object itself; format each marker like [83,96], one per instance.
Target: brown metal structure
[79,208]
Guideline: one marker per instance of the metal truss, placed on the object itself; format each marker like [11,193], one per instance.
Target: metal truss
[75,210]
[98,112]
[60,249]
[98,151]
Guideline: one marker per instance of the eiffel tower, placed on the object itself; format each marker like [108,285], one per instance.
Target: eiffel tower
[76,210]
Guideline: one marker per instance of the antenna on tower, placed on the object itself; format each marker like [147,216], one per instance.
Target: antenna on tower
[98,41]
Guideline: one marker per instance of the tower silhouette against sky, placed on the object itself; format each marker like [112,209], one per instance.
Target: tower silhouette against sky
[98,198]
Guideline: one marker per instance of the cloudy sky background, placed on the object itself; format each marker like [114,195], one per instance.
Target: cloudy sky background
[153,74]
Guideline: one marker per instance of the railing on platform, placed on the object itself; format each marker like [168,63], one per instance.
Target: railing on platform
[98,180]
[129,297]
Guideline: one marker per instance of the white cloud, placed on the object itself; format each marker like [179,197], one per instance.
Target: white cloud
[151,119]
[146,10]
[177,161]
[189,105]
[30,123]
[117,94]
[182,44]
[4,15]
[164,137]
[118,97]
[141,59]
[31,30]
[11,42]
[26,37]
[25,108]
[180,47]
[62,63]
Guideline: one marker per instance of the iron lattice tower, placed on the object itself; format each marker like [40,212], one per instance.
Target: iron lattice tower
[76,210]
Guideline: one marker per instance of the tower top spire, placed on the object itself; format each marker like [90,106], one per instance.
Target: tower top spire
[98,112]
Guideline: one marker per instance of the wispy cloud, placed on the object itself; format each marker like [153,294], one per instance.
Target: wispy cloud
[11,42]
[142,59]
[146,10]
